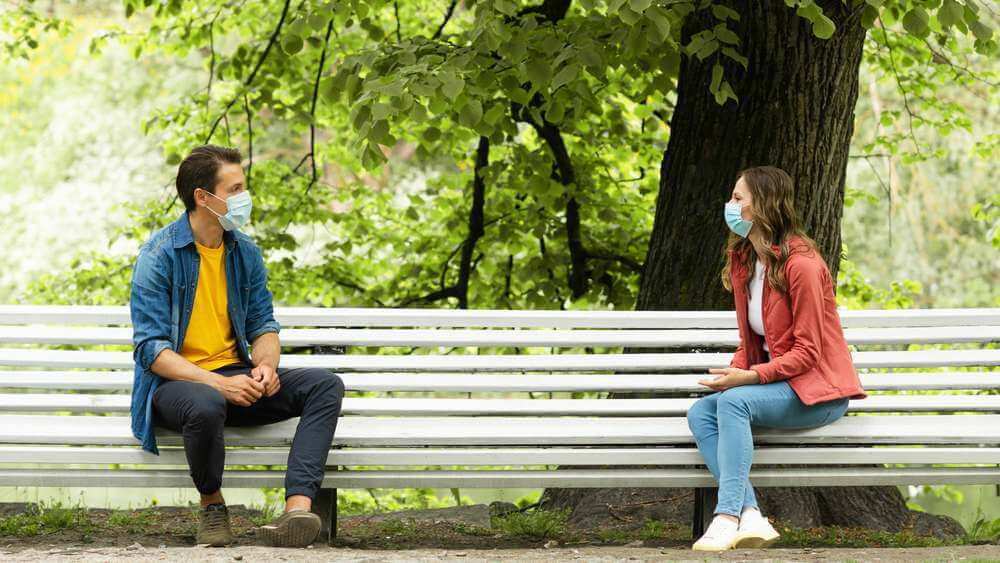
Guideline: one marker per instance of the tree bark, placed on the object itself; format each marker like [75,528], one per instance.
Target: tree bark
[795,111]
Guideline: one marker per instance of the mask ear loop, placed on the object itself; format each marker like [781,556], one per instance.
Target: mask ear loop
[216,197]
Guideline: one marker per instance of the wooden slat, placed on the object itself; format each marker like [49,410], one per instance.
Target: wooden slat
[52,402]
[374,318]
[504,431]
[576,478]
[512,383]
[491,456]
[524,362]
[70,335]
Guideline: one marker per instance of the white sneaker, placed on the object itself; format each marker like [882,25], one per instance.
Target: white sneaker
[755,531]
[720,536]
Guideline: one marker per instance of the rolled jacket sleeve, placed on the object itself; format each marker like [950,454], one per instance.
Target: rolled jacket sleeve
[149,304]
[260,310]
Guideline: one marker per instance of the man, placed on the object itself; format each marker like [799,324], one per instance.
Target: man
[200,305]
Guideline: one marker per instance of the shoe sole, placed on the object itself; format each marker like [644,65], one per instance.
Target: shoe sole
[754,542]
[298,530]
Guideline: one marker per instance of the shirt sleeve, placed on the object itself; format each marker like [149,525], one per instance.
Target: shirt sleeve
[260,310]
[149,305]
[806,284]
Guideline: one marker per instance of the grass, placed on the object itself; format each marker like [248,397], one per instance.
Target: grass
[853,537]
[133,522]
[42,519]
[534,524]
[983,530]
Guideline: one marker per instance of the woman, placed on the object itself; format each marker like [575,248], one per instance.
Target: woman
[792,368]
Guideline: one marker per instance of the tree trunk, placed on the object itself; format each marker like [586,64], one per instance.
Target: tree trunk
[795,111]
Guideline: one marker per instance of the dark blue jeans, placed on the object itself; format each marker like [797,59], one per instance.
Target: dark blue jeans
[200,413]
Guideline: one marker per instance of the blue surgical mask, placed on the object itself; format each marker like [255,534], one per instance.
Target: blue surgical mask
[238,214]
[735,220]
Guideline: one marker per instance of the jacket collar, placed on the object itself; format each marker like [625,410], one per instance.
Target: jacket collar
[184,236]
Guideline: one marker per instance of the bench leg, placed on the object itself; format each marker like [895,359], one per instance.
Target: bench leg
[325,505]
[704,510]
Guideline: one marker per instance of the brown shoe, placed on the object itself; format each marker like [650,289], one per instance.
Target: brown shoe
[213,526]
[297,528]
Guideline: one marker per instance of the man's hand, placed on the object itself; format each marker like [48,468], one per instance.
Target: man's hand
[727,378]
[268,377]
[240,390]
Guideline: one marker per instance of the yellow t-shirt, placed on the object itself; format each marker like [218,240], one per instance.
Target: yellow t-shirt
[209,342]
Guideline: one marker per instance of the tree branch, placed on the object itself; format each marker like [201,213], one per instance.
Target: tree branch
[447,17]
[476,221]
[246,108]
[399,34]
[260,62]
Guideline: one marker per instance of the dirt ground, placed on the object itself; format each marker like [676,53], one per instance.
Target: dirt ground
[462,533]
[603,553]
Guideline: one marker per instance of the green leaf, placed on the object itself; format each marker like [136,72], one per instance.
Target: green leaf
[726,35]
[451,84]
[432,134]
[379,131]
[381,111]
[981,30]
[660,21]
[716,78]
[868,17]
[565,75]
[950,13]
[471,113]
[538,72]
[723,12]
[555,112]
[736,56]
[629,16]
[639,5]
[505,7]
[915,22]
[291,44]
[823,27]
[707,49]
[494,114]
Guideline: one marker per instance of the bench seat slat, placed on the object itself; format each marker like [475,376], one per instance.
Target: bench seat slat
[509,383]
[604,456]
[539,362]
[576,478]
[504,431]
[65,335]
[484,318]
[51,402]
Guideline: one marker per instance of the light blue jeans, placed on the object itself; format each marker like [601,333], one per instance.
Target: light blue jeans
[721,425]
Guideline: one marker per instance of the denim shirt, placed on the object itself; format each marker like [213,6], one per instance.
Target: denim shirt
[164,281]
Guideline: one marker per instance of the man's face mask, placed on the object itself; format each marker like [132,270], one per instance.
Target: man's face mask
[238,214]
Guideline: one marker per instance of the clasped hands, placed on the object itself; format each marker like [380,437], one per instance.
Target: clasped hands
[245,389]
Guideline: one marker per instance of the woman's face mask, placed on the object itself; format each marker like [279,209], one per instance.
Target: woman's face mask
[735,221]
[238,214]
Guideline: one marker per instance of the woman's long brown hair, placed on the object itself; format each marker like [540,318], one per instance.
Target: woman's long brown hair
[774,218]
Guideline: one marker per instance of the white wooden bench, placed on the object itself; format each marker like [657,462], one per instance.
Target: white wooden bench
[498,399]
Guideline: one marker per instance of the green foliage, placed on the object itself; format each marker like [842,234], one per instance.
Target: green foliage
[983,529]
[367,501]
[44,519]
[535,524]
[364,129]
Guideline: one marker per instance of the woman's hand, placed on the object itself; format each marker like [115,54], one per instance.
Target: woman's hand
[727,378]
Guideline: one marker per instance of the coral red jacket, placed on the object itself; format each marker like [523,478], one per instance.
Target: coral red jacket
[802,329]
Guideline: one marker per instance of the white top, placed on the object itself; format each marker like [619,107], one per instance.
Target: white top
[755,306]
